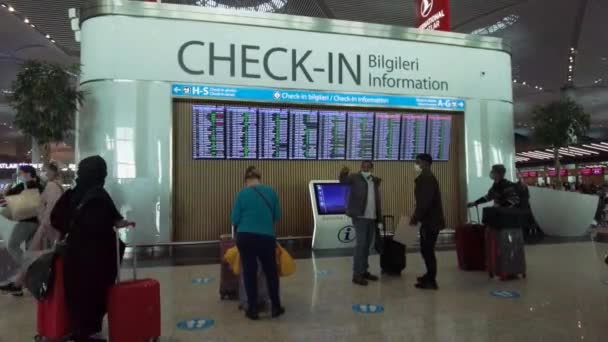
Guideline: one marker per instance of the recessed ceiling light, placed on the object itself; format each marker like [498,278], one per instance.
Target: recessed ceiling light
[26,20]
[33,26]
[3,5]
[11,9]
[52,40]
[48,36]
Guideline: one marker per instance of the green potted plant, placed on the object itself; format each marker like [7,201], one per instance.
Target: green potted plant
[560,124]
[45,98]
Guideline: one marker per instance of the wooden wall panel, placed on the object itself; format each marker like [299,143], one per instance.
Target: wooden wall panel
[203,190]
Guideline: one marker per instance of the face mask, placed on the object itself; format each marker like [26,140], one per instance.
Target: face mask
[44,176]
[366,174]
[417,168]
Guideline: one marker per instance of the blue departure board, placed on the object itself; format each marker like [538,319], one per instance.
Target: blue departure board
[360,136]
[273,133]
[208,132]
[332,135]
[413,135]
[303,132]
[387,136]
[221,131]
[439,136]
[242,128]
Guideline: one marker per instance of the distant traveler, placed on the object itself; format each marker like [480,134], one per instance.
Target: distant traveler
[256,209]
[364,207]
[532,232]
[503,192]
[88,215]
[24,230]
[429,213]
[45,234]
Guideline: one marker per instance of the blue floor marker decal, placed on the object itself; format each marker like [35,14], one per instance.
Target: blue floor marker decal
[196,324]
[324,273]
[368,308]
[505,294]
[202,281]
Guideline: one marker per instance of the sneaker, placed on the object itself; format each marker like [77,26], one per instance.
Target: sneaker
[252,315]
[359,280]
[10,288]
[370,277]
[421,279]
[278,311]
[427,285]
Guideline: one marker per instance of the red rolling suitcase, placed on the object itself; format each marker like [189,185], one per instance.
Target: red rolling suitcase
[53,320]
[229,282]
[470,246]
[134,307]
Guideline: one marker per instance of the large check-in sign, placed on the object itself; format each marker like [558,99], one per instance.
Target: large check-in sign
[433,14]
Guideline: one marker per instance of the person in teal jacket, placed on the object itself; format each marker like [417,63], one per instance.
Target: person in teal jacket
[256,209]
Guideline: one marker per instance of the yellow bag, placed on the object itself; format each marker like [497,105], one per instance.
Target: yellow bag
[286,264]
[23,206]
[233,258]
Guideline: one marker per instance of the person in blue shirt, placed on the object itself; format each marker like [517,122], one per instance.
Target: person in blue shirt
[256,210]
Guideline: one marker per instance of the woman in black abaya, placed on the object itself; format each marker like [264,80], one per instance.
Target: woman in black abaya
[88,215]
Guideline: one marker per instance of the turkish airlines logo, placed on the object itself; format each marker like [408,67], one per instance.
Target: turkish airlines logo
[426,6]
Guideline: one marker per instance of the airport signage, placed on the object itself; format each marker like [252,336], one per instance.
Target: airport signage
[433,15]
[312,97]
[208,52]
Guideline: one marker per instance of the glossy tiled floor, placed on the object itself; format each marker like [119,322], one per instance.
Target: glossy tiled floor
[563,299]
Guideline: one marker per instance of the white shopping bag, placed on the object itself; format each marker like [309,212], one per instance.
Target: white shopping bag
[405,233]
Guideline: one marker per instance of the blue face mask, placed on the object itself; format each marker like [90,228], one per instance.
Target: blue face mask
[366,174]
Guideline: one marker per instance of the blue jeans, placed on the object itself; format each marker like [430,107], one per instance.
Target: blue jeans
[365,230]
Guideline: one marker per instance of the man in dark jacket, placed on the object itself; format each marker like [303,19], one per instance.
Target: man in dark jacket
[429,214]
[503,192]
[365,210]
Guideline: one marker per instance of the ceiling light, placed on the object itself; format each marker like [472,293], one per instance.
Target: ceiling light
[32,25]
[26,20]
[52,40]
[11,9]
[524,83]
[3,5]
[48,36]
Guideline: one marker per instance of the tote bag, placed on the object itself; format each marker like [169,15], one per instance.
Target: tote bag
[23,206]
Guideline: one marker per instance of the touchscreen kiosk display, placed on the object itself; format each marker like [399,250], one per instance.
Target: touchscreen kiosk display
[331,198]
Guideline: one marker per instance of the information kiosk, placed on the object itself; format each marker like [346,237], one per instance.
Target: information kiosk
[333,229]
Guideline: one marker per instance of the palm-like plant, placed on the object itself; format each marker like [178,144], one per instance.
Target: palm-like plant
[560,124]
[45,98]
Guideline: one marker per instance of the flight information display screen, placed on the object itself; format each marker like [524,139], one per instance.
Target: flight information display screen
[331,198]
[304,132]
[413,135]
[208,132]
[438,137]
[221,131]
[332,135]
[360,136]
[273,133]
[387,131]
[242,139]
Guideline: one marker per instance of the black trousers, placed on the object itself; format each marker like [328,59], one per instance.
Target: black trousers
[253,247]
[428,240]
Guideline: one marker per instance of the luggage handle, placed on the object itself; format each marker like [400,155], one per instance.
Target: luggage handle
[131,225]
[478,217]
[385,219]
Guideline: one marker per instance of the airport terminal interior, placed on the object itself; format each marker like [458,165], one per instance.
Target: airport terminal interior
[408,170]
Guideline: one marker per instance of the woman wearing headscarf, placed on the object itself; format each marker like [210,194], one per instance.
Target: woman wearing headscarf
[88,215]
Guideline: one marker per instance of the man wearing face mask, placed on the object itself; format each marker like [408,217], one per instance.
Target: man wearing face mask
[503,192]
[365,210]
[429,214]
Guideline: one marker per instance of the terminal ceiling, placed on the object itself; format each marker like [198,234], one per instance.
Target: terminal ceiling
[540,32]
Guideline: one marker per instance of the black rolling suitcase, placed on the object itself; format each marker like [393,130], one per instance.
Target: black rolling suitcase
[392,258]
